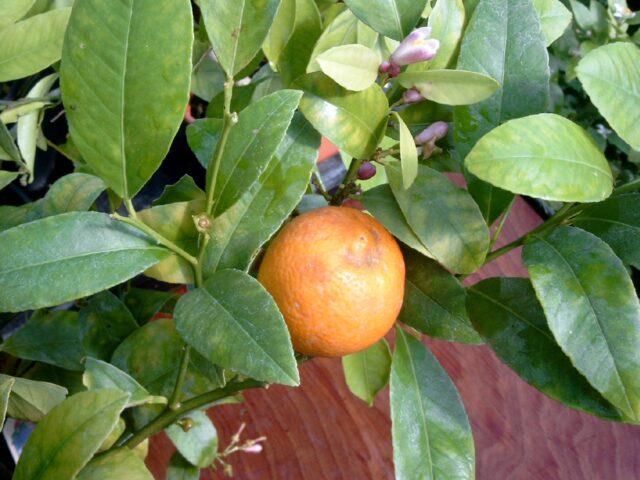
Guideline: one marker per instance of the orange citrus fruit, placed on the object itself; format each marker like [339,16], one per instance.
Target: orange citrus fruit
[337,276]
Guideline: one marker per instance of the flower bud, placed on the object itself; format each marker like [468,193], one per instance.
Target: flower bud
[384,67]
[353,203]
[366,171]
[412,96]
[430,135]
[416,47]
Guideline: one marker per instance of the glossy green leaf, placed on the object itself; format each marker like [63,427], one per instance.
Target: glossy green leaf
[543,156]
[184,190]
[85,252]
[611,77]
[450,87]
[391,18]
[434,302]
[237,29]
[280,31]
[252,142]
[122,464]
[125,84]
[5,390]
[444,218]
[554,18]
[354,67]
[508,315]
[208,77]
[14,10]
[66,439]
[238,234]
[100,375]
[32,44]
[408,154]
[181,469]
[75,192]
[144,304]
[31,400]
[431,434]
[49,337]
[367,372]
[203,136]
[7,177]
[233,321]
[592,310]
[199,445]
[354,121]
[617,222]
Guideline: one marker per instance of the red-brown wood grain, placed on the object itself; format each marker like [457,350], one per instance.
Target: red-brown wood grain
[319,431]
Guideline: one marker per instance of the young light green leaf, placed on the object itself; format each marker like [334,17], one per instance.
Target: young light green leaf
[7,177]
[434,302]
[237,29]
[49,337]
[14,10]
[184,190]
[280,31]
[85,252]
[431,434]
[391,18]
[592,310]
[31,400]
[367,372]
[66,439]
[611,77]
[543,156]
[100,375]
[121,464]
[233,321]
[75,192]
[5,390]
[354,121]
[444,217]
[408,153]
[181,469]
[198,445]
[508,315]
[450,87]
[109,69]
[32,44]
[355,67]
[554,18]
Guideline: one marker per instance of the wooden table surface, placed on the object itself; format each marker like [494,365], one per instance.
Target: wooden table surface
[320,431]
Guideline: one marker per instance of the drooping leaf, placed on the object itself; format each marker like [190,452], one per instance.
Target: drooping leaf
[32,44]
[237,29]
[431,433]
[121,464]
[280,31]
[180,469]
[198,445]
[391,18]
[508,315]
[144,304]
[611,77]
[233,321]
[354,67]
[367,372]
[14,10]
[408,153]
[450,87]
[554,18]
[125,85]
[5,390]
[544,156]
[592,310]
[434,302]
[75,192]
[184,190]
[85,252]
[444,218]
[31,400]
[66,439]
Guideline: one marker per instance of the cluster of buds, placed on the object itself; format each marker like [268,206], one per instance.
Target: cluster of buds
[429,136]
[416,47]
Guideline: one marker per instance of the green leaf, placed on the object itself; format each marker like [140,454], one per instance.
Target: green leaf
[7,177]
[184,190]
[617,222]
[508,315]
[353,67]
[66,439]
[592,310]
[354,121]
[32,44]
[434,302]
[14,10]
[181,469]
[280,31]
[75,192]
[32,400]
[238,234]
[85,252]
[121,464]
[444,218]
[8,146]
[543,156]
[237,29]
[491,200]
[391,18]
[100,375]
[252,142]
[450,87]
[233,321]
[408,154]
[554,18]
[198,445]
[125,85]
[49,337]
[5,390]
[431,433]
[611,77]
[367,372]
[144,304]
[203,136]
[13,216]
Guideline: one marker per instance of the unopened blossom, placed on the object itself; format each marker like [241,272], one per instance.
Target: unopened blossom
[412,96]
[416,47]
[366,171]
[430,135]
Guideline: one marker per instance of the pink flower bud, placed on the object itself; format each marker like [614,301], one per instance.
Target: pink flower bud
[416,47]
[384,67]
[353,203]
[257,448]
[366,171]
[412,96]
[394,70]
[430,135]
